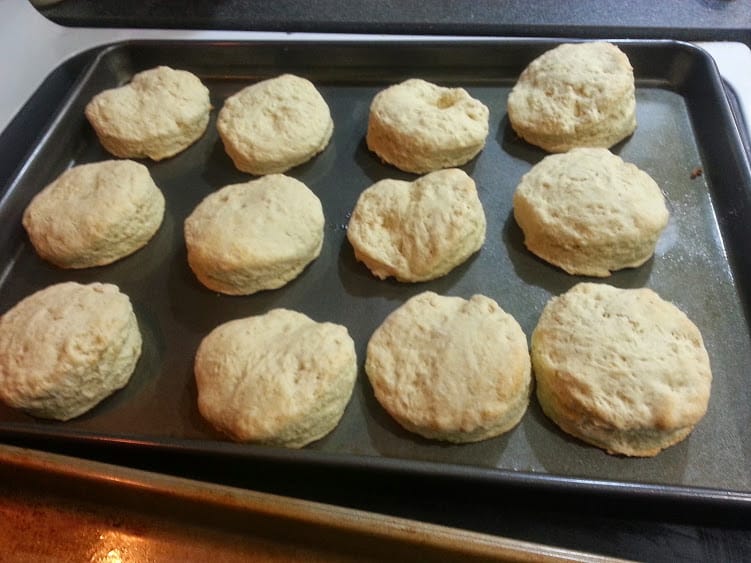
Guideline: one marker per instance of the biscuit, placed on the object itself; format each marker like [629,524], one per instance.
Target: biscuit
[590,213]
[451,369]
[576,95]
[274,125]
[278,379]
[95,214]
[621,369]
[65,348]
[161,112]
[417,231]
[253,236]
[420,127]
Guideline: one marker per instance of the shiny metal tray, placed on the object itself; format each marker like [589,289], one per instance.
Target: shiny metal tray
[60,508]
[685,125]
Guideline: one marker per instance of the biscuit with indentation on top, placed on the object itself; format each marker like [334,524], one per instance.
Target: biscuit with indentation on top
[589,212]
[417,231]
[274,125]
[161,112]
[420,127]
[66,348]
[451,369]
[95,214]
[279,379]
[253,236]
[621,369]
[575,95]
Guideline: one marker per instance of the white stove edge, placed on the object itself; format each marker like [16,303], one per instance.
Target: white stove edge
[33,47]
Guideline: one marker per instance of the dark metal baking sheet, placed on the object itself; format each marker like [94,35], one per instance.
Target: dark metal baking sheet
[685,124]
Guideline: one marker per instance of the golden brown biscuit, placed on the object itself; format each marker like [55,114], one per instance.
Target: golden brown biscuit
[451,369]
[253,236]
[418,231]
[575,95]
[95,214]
[274,125]
[161,112]
[420,127]
[280,378]
[621,369]
[589,212]
[67,347]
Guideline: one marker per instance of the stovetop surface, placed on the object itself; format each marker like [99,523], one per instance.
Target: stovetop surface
[708,20]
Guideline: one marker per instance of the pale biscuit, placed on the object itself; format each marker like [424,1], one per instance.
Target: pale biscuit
[95,214]
[589,212]
[161,112]
[420,127]
[575,95]
[274,125]
[451,369]
[279,379]
[417,231]
[253,236]
[65,348]
[621,369]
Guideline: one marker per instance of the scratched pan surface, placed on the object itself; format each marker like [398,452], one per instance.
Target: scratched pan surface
[684,125]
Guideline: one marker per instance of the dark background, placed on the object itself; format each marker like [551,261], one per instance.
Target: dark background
[695,20]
